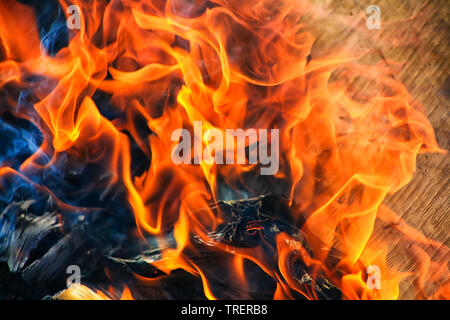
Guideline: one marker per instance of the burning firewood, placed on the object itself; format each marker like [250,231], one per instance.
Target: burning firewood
[248,223]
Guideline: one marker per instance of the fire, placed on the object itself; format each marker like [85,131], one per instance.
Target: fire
[81,292]
[228,64]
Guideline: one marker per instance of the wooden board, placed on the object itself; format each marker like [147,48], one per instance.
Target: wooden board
[415,32]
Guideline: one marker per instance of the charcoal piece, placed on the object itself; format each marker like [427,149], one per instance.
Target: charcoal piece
[86,245]
[20,233]
[251,223]
[323,289]
[39,248]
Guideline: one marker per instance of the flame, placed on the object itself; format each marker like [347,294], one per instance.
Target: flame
[81,292]
[168,64]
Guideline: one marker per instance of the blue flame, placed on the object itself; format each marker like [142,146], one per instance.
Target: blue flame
[19,139]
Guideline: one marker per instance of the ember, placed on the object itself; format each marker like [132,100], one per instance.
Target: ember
[102,189]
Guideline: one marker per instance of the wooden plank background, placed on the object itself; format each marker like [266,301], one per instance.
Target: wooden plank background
[417,33]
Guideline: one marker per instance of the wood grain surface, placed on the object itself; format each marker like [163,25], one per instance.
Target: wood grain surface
[415,33]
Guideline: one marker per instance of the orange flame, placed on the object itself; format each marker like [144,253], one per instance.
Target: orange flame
[81,292]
